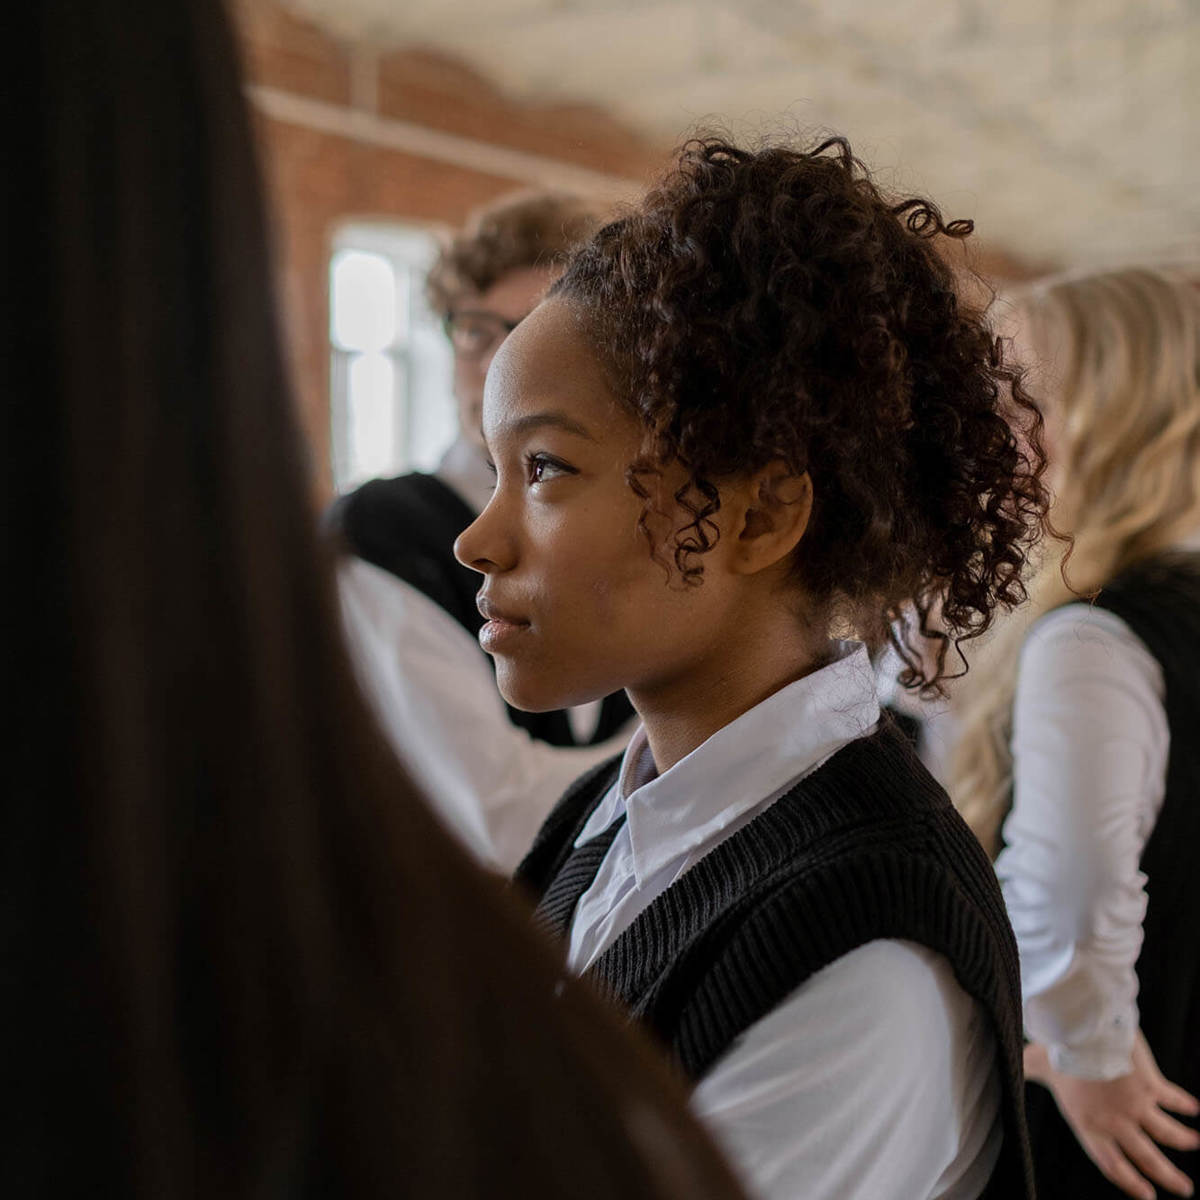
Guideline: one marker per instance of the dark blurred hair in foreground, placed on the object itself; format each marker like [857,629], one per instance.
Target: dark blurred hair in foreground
[239,957]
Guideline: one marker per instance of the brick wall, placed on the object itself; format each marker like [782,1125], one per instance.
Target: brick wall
[348,133]
[334,120]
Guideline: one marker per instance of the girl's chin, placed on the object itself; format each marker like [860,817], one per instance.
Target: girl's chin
[528,698]
[532,695]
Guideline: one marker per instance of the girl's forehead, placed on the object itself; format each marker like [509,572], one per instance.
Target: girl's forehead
[546,358]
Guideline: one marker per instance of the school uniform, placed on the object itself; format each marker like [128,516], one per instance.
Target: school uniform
[1102,841]
[491,771]
[797,913]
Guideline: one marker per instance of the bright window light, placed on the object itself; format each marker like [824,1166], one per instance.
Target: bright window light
[372,412]
[363,301]
[391,381]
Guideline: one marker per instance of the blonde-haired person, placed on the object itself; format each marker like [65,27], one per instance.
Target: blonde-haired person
[1078,760]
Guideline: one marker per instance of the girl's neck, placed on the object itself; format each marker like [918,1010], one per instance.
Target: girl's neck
[684,712]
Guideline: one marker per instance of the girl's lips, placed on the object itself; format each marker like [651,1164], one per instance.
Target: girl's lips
[498,634]
[500,628]
[490,612]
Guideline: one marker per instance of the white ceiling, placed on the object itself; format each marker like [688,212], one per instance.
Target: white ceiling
[1068,129]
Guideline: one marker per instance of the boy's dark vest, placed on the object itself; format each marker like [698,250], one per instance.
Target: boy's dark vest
[866,847]
[407,525]
[1160,601]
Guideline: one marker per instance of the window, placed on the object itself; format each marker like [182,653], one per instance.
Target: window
[391,401]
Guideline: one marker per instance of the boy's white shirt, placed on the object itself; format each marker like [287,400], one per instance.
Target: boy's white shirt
[878,1077]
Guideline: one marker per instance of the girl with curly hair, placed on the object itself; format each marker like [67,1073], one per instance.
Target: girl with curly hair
[752,423]
[1080,739]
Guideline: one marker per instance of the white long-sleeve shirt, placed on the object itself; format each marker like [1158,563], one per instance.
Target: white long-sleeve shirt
[877,1079]
[1090,745]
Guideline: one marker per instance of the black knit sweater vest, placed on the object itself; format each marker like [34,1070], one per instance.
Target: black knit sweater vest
[1160,601]
[866,847]
[407,526]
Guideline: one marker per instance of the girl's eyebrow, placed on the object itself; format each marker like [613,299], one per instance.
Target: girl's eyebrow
[550,418]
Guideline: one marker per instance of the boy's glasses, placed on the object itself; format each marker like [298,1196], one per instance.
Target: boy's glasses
[473,333]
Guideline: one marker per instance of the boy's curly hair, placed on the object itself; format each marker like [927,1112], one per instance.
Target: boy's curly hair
[523,229]
[777,305]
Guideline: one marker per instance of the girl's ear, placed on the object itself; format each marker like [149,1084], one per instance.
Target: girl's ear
[772,509]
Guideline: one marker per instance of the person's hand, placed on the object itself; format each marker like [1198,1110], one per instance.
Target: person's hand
[1118,1121]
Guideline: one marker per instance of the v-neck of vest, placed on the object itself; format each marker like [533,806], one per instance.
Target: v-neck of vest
[747,858]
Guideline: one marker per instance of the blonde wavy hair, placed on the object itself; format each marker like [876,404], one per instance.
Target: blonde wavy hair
[1118,356]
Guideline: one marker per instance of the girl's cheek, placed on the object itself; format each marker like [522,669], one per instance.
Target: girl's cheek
[602,601]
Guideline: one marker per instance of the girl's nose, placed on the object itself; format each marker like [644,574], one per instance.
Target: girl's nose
[483,545]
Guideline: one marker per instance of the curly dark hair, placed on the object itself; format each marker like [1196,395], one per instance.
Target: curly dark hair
[778,305]
[523,229]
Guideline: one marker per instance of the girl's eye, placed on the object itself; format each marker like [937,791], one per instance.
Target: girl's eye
[541,467]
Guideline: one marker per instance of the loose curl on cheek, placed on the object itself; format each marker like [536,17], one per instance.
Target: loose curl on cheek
[776,305]
[697,497]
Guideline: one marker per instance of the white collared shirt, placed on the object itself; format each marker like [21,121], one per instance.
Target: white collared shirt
[878,1077]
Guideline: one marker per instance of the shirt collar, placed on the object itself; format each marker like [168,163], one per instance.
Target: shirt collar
[742,767]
